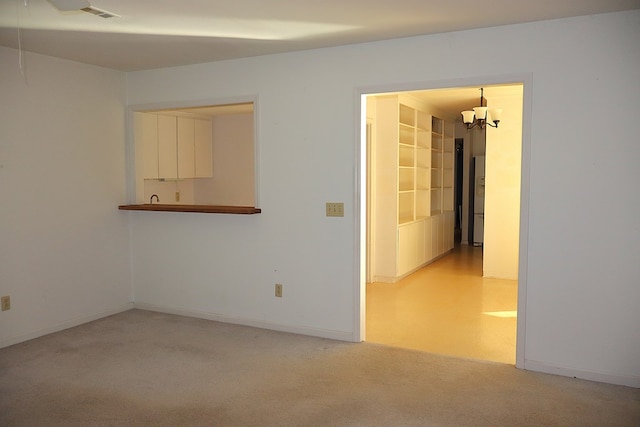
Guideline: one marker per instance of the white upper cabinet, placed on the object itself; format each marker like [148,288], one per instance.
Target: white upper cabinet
[186,148]
[173,147]
[203,130]
[167,152]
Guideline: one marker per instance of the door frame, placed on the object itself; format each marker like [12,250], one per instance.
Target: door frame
[360,202]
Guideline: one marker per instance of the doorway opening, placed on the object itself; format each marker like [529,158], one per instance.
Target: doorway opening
[433,282]
[459,188]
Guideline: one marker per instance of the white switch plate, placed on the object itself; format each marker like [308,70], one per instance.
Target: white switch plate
[335,209]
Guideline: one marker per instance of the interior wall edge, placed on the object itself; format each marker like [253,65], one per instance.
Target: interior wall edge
[525,196]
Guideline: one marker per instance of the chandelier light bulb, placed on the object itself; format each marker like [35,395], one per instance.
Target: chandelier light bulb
[468,116]
[481,113]
[481,116]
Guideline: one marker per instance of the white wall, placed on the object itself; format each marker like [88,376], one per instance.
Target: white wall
[502,189]
[233,181]
[582,287]
[64,246]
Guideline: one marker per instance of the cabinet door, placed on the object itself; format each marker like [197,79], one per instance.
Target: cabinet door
[146,134]
[420,257]
[441,235]
[410,252]
[435,226]
[428,252]
[203,148]
[405,250]
[449,230]
[186,148]
[167,148]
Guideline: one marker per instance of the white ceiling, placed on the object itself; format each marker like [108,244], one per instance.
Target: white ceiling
[161,33]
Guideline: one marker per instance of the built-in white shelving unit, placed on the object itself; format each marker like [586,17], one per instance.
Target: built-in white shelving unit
[414,187]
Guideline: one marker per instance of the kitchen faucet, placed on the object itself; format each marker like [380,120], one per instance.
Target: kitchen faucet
[157,198]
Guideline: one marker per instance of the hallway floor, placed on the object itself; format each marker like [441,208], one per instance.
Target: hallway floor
[447,308]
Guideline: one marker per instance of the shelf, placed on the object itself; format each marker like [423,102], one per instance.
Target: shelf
[236,210]
[407,115]
[447,199]
[423,203]
[448,160]
[423,179]
[436,125]
[441,166]
[424,121]
[436,179]
[436,199]
[406,135]
[423,138]
[405,156]
[447,178]
[436,160]
[423,158]
[405,206]
[405,179]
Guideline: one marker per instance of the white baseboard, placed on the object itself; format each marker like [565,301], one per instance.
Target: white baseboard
[629,381]
[301,330]
[64,325]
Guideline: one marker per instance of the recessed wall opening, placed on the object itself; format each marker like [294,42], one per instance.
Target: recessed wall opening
[426,289]
[195,155]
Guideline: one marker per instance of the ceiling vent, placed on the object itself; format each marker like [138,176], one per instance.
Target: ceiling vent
[99,12]
[83,5]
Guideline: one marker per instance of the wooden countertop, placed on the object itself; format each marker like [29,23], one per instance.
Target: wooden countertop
[235,210]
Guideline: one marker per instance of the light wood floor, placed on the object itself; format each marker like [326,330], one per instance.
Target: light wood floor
[447,308]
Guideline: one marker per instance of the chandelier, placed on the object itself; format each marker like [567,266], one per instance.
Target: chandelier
[478,117]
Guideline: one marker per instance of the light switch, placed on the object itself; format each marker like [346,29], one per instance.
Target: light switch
[335,209]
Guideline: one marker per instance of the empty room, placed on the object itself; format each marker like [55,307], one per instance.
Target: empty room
[238,294]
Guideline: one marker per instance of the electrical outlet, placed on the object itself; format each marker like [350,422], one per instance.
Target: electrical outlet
[335,209]
[278,290]
[5,302]
[177,196]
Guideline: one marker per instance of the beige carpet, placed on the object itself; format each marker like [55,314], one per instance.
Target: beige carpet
[144,368]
